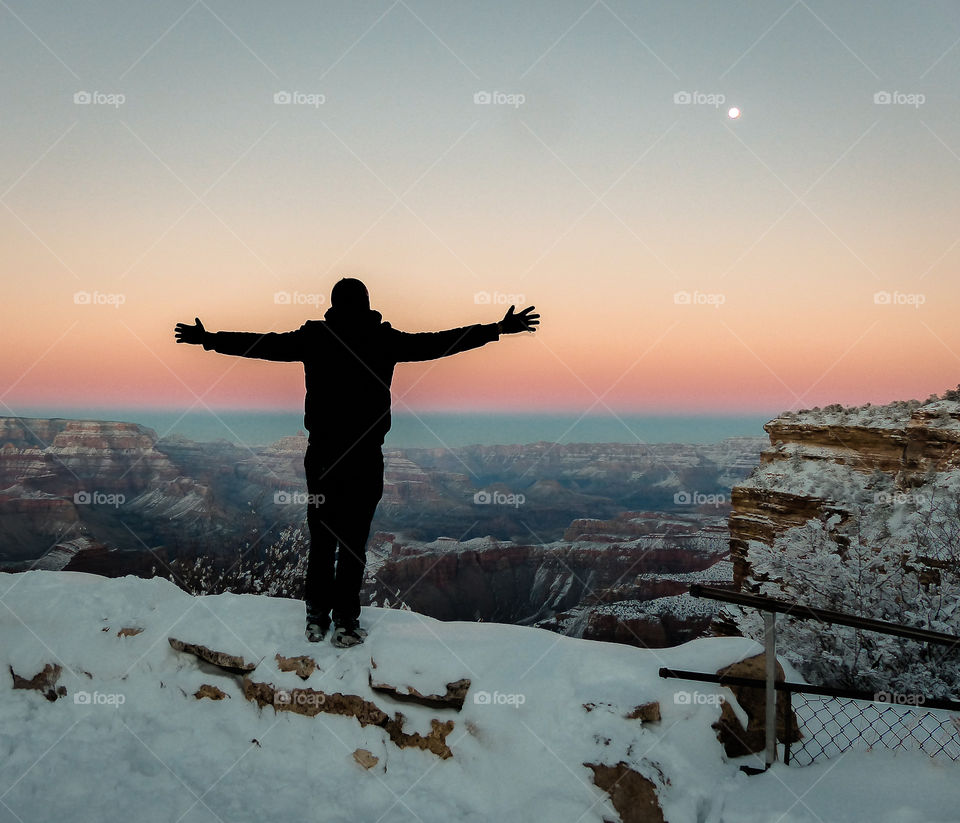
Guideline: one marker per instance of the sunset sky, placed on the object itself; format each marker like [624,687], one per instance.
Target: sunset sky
[682,260]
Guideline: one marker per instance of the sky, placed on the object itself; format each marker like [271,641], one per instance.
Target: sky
[161,161]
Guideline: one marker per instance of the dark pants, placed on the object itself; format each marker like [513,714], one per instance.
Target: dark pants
[351,486]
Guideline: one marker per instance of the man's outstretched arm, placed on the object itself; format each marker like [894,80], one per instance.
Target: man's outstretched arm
[431,345]
[287,346]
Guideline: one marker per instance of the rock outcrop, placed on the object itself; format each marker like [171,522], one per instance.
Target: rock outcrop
[738,740]
[106,482]
[819,463]
[633,795]
[452,698]
[228,662]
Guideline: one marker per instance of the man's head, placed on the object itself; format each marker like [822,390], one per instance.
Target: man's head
[350,296]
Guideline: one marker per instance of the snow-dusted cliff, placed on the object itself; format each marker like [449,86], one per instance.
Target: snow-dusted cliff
[859,510]
[103,719]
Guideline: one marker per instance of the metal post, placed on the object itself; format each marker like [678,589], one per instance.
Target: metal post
[770,726]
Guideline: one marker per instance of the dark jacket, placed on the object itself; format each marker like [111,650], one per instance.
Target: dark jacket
[348,364]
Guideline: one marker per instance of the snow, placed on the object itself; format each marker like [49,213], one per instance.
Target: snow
[679,605]
[147,750]
[719,572]
[880,786]
[809,478]
[944,412]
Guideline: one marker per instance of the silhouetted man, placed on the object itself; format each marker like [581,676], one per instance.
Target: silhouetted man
[348,360]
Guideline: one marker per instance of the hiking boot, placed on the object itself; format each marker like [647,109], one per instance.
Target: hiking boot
[317,628]
[346,636]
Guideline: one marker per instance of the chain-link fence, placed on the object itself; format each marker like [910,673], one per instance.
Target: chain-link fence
[833,725]
[832,721]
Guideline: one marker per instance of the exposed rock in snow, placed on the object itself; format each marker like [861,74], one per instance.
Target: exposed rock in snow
[311,702]
[366,758]
[633,795]
[44,681]
[228,662]
[303,665]
[739,739]
[210,691]
[453,696]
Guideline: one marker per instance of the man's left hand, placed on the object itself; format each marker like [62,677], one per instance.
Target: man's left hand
[524,321]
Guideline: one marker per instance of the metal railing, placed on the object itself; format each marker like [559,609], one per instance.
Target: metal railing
[834,720]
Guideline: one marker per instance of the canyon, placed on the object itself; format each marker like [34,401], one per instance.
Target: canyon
[572,537]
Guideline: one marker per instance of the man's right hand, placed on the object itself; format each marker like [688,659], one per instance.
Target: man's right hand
[190,334]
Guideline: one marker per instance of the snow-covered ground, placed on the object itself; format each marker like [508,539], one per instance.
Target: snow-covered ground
[138,746]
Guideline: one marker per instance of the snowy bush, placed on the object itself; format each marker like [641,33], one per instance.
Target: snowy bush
[896,558]
[278,572]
